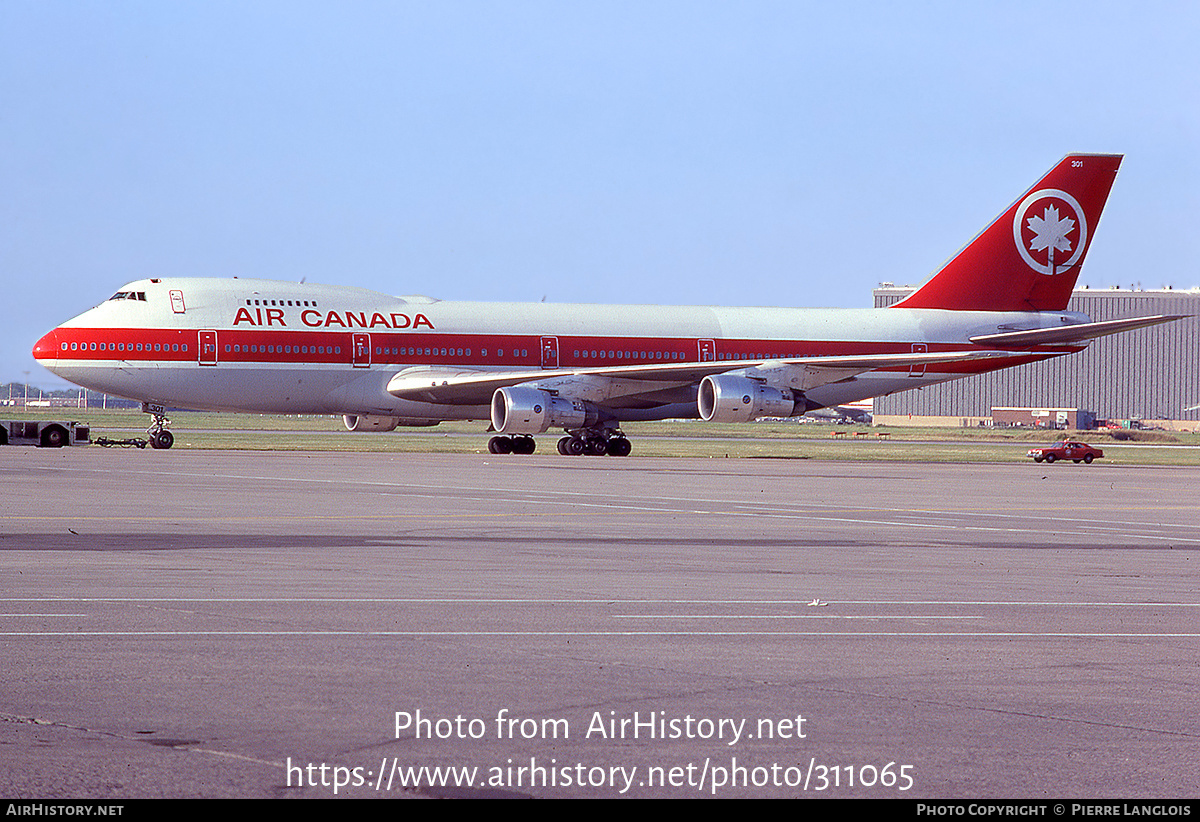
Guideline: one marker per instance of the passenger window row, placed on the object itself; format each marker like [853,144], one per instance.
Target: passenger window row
[427,352]
[124,347]
[669,355]
[283,349]
[293,303]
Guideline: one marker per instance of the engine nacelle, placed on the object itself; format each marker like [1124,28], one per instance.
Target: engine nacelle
[523,410]
[729,398]
[369,422]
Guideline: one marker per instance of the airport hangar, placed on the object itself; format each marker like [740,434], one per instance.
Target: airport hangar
[1151,375]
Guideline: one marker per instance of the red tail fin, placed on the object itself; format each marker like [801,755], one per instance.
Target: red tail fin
[1029,258]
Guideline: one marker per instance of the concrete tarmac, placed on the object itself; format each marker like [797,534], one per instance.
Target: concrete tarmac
[232,624]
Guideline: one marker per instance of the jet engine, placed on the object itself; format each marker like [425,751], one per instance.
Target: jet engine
[369,422]
[729,398]
[374,422]
[523,410]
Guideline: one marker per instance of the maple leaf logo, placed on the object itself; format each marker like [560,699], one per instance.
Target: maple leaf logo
[1051,233]
[1061,231]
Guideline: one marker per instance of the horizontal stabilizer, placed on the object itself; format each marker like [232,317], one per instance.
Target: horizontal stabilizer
[1071,333]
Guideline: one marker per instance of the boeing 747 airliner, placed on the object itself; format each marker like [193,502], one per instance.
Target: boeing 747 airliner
[382,361]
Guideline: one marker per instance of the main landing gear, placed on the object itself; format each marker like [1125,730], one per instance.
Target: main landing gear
[595,444]
[160,437]
[511,445]
[574,445]
[591,443]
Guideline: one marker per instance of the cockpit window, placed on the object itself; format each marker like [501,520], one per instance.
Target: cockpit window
[128,295]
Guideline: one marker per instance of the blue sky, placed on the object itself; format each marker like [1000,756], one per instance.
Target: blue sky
[750,153]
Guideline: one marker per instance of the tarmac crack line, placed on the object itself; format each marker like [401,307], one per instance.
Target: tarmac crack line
[1014,712]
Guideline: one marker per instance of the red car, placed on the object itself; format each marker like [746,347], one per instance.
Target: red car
[1066,450]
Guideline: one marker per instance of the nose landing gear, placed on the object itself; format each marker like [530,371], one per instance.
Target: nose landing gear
[160,437]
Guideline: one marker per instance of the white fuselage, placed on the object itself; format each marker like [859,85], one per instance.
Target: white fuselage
[280,347]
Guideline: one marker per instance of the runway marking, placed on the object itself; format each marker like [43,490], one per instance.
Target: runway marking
[891,634]
[614,602]
[58,519]
[823,615]
[606,602]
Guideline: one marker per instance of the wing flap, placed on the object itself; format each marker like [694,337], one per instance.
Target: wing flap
[475,387]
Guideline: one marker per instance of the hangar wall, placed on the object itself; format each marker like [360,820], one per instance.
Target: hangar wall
[1152,373]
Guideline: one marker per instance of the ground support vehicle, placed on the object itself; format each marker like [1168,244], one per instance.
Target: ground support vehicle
[1066,450]
[44,433]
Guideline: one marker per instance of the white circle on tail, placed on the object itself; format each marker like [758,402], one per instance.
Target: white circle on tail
[1050,231]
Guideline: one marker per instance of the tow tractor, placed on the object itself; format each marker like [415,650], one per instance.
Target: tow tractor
[44,433]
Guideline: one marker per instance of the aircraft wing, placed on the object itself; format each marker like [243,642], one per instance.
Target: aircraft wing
[1081,332]
[456,386]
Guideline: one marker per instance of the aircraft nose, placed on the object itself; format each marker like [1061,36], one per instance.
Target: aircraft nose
[47,347]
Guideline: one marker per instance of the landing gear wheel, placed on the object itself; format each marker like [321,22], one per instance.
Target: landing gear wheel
[596,448]
[500,445]
[619,447]
[523,445]
[563,445]
[163,439]
[576,447]
[54,437]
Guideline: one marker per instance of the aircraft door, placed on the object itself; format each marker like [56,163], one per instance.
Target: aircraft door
[549,352]
[208,348]
[177,306]
[708,350]
[918,370]
[362,350]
